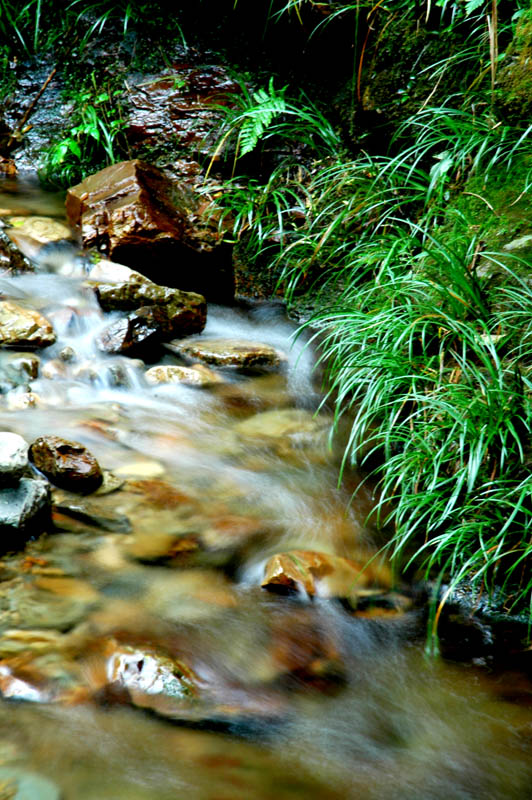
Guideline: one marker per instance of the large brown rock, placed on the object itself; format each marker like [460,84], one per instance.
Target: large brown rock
[22,327]
[66,464]
[137,216]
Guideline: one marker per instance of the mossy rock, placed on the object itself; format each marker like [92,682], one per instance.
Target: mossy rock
[514,82]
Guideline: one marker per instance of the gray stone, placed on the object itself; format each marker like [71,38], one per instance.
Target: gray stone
[13,458]
[24,510]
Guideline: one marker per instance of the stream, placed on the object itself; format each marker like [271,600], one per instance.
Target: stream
[275,695]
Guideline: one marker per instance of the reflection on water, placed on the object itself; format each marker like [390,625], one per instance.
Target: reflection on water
[140,658]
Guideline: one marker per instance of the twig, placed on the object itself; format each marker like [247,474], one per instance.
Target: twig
[16,132]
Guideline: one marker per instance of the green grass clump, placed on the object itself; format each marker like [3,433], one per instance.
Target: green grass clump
[427,357]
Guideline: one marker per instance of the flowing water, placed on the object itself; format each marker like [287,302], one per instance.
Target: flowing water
[297,698]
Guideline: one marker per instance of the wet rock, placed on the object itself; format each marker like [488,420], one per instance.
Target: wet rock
[24,511]
[138,217]
[180,105]
[110,272]
[319,574]
[197,375]
[138,334]
[67,354]
[66,464]
[40,229]
[13,458]
[228,352]
[21,327]
[10,256]
[110,483]
[185,312]
[143,672]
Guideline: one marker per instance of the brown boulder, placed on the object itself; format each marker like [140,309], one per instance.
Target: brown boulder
[22,327]
[66,464]
[137,216]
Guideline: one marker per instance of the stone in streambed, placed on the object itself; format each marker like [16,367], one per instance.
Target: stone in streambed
[138,334]
[228,353]
[198,375]
[13,458]
[21,327]
[92,513]
[66,464]
[320,574]
[186,312]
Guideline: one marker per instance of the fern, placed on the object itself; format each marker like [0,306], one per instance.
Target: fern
[268,104]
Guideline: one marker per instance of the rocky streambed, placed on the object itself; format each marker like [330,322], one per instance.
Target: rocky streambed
[186,604]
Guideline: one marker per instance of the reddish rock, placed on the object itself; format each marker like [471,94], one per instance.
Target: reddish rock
[139,217]
[66,464]
[180,106]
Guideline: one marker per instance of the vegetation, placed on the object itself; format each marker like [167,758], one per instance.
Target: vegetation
[424,335]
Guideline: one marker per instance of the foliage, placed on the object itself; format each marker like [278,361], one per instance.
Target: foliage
[266,114]
[429,360]
[92,143]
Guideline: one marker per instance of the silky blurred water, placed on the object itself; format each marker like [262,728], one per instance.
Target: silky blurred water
[394,726]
